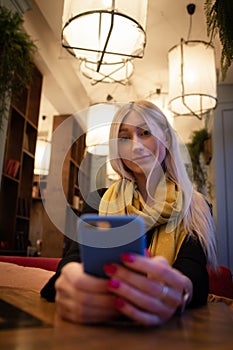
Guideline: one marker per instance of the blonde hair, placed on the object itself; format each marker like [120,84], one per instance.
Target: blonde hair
[196,213]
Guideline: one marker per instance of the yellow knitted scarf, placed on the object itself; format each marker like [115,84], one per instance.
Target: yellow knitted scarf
[124,198]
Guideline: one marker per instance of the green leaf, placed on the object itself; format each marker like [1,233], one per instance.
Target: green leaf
[219,21]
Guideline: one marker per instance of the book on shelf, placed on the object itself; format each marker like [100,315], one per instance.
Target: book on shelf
[12,167]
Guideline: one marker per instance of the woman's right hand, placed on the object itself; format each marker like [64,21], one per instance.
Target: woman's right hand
[83,298]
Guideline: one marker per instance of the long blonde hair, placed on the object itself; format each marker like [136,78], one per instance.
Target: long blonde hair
[196,213]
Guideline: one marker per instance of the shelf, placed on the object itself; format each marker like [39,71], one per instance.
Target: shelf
[20,103]
[39,188]
[37,198]
[76,151]
[10,178]
[17,179]
[26,176]
[34,98]
[22,217]
[15,136]
[8,207]
[30,137]
[15,252]
[70,182]
[29,154]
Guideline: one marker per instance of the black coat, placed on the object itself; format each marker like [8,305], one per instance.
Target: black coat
[191,259]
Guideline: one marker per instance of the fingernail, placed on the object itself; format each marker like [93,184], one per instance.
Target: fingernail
[127,257]
[114,284]
[148,253]
[119,303]
[110,269]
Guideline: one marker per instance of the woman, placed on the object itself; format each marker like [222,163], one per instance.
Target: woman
[179,228]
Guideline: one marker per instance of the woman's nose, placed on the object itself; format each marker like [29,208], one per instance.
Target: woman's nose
[137,144]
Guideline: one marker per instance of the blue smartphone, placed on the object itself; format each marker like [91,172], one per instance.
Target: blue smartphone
[103,239]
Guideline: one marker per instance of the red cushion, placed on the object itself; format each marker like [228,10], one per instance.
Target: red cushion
[220,282]
[41,262]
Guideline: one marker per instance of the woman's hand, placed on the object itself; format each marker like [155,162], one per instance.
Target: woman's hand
[83,298]
[149,290]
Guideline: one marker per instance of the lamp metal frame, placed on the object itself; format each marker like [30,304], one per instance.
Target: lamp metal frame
[184,94]
[107,78]
[104,51]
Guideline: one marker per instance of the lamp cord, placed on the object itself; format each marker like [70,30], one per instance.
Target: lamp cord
[191,10]
[190,27]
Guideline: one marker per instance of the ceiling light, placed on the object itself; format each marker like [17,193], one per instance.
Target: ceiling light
[111,174]
[42,156]
[160,99]
[108,73]
[99,119]
[192,77]
[104,32]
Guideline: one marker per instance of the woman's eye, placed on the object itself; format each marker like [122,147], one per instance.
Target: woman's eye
[145,133]
[123,138]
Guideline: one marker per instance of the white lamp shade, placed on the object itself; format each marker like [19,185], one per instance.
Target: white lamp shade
[111,174]
[192,78]
[99,121]
[42,157]
[108,73]
[89,26]
[161,101]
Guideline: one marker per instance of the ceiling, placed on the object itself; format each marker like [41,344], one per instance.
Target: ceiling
[68,90]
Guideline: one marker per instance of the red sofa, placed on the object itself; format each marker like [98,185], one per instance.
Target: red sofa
[220,282]
[41,262]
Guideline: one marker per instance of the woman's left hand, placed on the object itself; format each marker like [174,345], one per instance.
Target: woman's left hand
[148,290]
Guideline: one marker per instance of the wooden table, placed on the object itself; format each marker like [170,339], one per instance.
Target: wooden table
[206,328]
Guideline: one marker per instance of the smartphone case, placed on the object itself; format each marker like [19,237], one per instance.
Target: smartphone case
[104,238]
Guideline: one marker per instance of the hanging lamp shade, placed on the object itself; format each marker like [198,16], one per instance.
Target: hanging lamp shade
[192,78]
[99,120]
[111,174]
[108,73]
[104,32]
[42,157]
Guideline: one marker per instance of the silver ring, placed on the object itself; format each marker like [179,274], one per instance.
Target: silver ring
[164,292]
[185,300]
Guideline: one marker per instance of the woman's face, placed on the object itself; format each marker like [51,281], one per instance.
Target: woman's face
[139,149]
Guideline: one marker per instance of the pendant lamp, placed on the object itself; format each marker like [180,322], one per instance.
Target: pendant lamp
[99,119]
[104,32]
[108,73]
[42,157]
[192,77]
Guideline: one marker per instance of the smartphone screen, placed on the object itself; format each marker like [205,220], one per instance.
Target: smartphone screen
[103,239]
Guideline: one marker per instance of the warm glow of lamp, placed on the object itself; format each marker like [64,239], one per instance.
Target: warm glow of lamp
[98,125]
[192,78]
[111,174]
[104,32]
[42,157]
[160,99]
[108,73]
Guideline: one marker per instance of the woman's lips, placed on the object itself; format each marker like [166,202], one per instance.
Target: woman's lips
[141,158]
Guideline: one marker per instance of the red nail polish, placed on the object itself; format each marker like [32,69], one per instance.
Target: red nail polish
[114,284]
[110,269]
[148,253]
[127,257]
[119,303]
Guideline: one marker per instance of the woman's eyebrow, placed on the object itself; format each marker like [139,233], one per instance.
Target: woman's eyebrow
[124,128]
[143,125]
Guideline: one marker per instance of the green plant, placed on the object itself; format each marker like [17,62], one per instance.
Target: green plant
[195,148]
[16,57]
[219,20]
